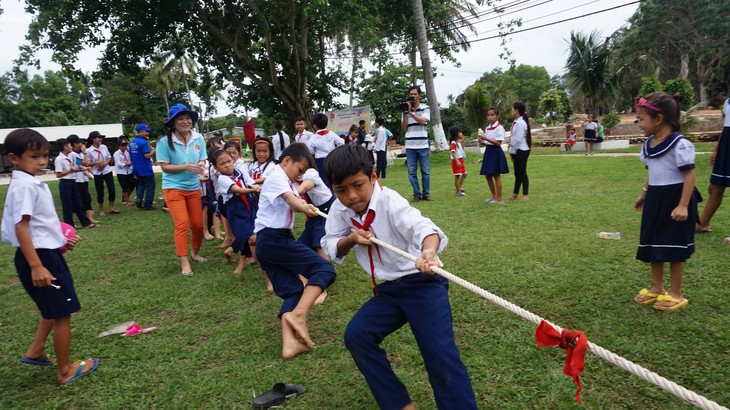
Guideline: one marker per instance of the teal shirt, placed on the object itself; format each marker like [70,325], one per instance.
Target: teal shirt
[192,154]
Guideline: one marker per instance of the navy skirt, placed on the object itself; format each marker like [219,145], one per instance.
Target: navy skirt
[590,136]
[721,170]
[663,239]
[494,161]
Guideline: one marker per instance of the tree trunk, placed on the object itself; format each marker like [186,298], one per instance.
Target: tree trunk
[684,66]
[414,66]
[355,63]
[438,129]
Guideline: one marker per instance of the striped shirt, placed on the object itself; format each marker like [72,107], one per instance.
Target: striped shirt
[417,134]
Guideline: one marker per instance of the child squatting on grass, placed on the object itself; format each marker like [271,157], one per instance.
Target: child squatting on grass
[282,257]
[30,223]
[404,293]
[669,207]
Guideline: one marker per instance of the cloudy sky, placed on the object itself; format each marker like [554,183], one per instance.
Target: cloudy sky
[545,46]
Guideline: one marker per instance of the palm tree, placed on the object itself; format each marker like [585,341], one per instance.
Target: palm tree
[476,104]
[590,71]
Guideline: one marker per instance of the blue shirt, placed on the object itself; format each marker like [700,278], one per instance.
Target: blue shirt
[193,153]
[141,166]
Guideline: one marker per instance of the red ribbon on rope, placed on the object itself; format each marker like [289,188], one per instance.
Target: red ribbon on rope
[575,344]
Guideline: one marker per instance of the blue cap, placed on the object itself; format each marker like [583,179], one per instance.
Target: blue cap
[179,109]
[143,127]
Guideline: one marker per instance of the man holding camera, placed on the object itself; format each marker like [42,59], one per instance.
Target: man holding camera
[415,125]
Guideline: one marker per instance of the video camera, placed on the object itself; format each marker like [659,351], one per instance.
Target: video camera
[403,106]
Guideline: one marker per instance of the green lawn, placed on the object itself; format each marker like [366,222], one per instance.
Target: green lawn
[219,339]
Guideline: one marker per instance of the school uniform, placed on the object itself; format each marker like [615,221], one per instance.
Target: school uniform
[402,295]
[240,209]
[519,149]
[280,140]
[381,151]
[29,196]
[321,197]
[256,171]
[457,164]
[494,161]
[279,255]
[321,144]
[721,169]
[82,181]
[663,239]
[302,137]
[124,172]
[207,190]
[102,175]
[70,197]
[590,132]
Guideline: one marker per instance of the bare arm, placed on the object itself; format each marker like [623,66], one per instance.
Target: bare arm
[305,186]
[298,204]
[428,254]
[680,213]
[359,237]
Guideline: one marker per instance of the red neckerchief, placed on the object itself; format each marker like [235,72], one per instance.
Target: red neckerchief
[369,217]
[239,181]
[323,132]
[493,126]
[98,151]
[366,226]
[575,344]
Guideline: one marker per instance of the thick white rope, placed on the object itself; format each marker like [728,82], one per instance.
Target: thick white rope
[653,378]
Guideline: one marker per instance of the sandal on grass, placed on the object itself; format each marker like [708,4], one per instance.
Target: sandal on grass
[80,370]
[678,303]
[277,395]
[41,361]
[645,297]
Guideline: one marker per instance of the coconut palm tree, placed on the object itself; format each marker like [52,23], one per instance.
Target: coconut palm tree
[476,104]
[590,71]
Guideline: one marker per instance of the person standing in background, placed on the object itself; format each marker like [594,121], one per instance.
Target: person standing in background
[141,156]
[123,166]
[415,125]
[280,140]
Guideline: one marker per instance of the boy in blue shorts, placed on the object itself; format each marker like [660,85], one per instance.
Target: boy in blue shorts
[403,292]
[30,223]
[282,257]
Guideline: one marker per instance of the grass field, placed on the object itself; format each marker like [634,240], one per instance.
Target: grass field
[219,339]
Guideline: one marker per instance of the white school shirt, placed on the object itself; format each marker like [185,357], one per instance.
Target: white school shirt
[29,196]
[240,165]
[120,158]
[277,143]
[667,161]
[495,131]
[518,136]
[726,113]
[396,222]
[64,163]
[380,139]
[274,212]
[225,182]
[303,137]
[457,149]
[99,154]
[78,159]
[324,142]
[320,194]
[256,170]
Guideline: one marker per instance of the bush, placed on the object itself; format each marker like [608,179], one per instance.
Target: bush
[610,120]
[683,88]
[650,85]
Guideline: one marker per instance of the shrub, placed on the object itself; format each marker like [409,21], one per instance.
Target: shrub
[650,85]
[683,88]
[610,120]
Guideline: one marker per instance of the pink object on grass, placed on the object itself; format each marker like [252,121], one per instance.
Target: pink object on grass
[68,232]
[135,329]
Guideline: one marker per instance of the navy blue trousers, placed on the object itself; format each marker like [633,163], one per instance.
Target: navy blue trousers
[71,202]
[284,259]
[423,302]
[146,190]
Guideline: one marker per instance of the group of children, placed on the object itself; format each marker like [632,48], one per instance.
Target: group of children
[261,200]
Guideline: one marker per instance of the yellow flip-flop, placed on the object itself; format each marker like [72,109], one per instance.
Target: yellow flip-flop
[650,297]
[678,303]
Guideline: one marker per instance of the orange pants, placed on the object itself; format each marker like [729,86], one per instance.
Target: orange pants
[187,214]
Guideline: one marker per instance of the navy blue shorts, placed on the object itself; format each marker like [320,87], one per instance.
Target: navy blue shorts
[314,227]
[53,303]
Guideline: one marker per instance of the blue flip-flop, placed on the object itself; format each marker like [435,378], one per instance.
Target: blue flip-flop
[80,370]
[41,361]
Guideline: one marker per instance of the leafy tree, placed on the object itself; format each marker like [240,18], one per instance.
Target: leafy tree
[683,88]
[551,105]
[529,83]
[384,89]
[453,115]
[610,120]
[48,100]
[650,84]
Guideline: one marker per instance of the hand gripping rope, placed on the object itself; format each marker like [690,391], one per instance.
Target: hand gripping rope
[653,378]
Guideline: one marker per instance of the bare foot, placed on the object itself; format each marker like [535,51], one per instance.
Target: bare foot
[241,266]
[207,236]
[321,298]
[512,197]
[224,245]
[293,350]
[229,255]
[101,213]
[299,324]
